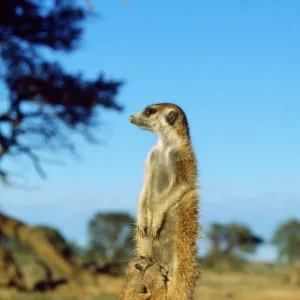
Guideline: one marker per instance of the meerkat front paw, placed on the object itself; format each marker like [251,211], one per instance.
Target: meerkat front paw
[164,269]
[144,296]
[158,273]
[143,262]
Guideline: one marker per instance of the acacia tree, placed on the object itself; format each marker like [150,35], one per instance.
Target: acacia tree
[45,104]
[232,237]
[230,241]
[110,234]
[287,239]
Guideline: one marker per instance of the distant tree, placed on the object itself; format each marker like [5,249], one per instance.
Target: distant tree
[110,234]
[230,242]
[287,240]
[233,237]
[241,238]
[216,234]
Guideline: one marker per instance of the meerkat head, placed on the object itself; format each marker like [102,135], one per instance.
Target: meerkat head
[161,119]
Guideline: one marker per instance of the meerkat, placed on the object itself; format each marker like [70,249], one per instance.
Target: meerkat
[155,280]
[167,217]
[135,288]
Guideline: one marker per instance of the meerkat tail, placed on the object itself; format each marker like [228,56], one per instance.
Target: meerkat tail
[185,273]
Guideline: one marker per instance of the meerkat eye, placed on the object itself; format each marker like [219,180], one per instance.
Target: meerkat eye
[149,111]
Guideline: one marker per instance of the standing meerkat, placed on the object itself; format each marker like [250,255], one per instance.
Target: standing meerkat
[167,218]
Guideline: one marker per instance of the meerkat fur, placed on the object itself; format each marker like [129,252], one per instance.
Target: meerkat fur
[135,288]
[156,279]
[167,218]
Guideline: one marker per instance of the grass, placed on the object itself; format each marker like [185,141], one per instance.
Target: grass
[57,297]
[41,297]
[255,283]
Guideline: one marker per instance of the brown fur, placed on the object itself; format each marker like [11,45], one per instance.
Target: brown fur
[155,279]
[186,271]
[135,288]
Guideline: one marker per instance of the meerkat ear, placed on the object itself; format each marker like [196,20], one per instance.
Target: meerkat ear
[171,117]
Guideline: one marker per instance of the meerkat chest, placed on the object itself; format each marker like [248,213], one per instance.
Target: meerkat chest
[158,160]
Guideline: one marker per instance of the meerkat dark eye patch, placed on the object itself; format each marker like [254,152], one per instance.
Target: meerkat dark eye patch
[149,111]
[171,117]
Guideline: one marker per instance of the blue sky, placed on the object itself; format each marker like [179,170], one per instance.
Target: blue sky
[233,66]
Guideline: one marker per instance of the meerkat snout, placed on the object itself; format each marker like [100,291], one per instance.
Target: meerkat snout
[134,119]
[140,121]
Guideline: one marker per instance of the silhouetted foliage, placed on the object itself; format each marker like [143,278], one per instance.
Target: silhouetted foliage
[45,104]
[110,235]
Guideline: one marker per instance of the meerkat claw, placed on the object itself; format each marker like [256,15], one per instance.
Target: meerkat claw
[155,236]
[156,230]
[142,231]
[164,269]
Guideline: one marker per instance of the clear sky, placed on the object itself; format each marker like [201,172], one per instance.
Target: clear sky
[233,66]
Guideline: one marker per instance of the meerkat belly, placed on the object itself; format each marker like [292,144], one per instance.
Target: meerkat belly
[161,182]
[163,248]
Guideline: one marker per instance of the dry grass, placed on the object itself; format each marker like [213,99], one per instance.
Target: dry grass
[214,286]
[244,287]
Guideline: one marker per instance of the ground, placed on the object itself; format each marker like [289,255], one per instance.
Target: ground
[213,286]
